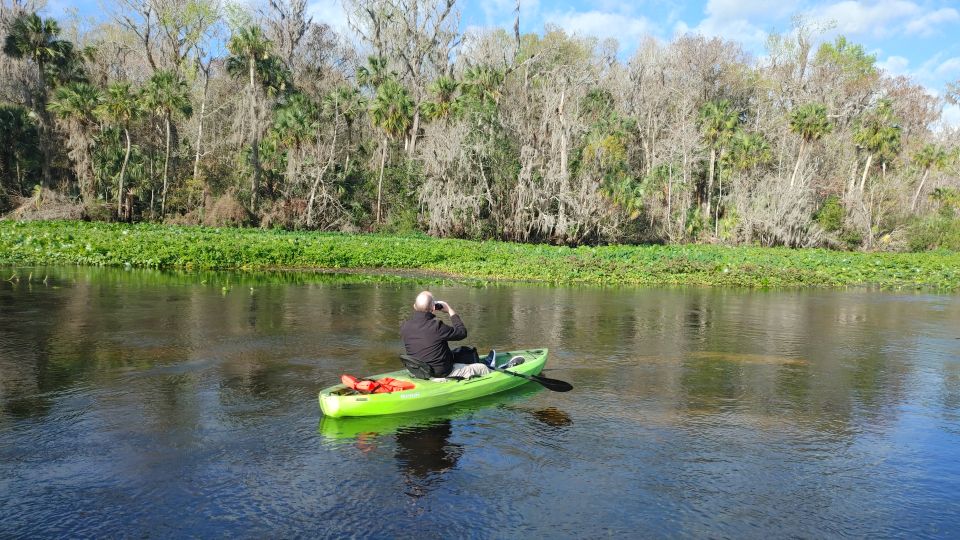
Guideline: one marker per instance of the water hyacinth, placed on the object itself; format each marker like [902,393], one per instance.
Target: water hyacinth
[158,246]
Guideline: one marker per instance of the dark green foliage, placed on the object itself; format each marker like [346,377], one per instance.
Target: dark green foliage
[605,152]
[810,121]
[879,132]
[949,199]
[937,232]
[33,38]
[19,155]
[830,215]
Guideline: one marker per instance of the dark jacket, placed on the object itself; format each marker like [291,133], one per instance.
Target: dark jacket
[425,338]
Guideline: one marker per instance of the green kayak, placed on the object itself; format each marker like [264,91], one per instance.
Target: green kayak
[349,428]
[339,400]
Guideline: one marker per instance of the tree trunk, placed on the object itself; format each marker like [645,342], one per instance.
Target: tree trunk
[166,167]
[413,132]
[796,168]
[866,169]
[685,180]
[516,25]
[44,128]
[383,161]
[669,201]
[316,181]
[852,184]
[255,146]
[88,191]
[713,161]
[716,217]
[196,158]
[913,205]
[561,228]
[123,173]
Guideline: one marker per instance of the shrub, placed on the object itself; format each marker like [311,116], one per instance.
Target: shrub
[830,215]
[934,233]
[227,211]
[401,221]
[100,211]
[286,214]
[46,204]
[949,199]
[851,238]
[190,218]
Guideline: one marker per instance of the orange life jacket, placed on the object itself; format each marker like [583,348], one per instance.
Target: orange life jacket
[379,386]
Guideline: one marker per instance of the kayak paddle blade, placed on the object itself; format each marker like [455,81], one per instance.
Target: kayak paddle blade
[553,384]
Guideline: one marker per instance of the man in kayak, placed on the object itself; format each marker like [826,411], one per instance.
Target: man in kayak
[425,338]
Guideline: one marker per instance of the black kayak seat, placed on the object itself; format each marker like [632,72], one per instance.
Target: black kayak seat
[417,368]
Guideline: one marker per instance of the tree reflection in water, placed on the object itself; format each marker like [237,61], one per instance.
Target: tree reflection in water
[424,453]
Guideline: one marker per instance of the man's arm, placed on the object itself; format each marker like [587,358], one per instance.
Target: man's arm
[456,332]
[452,333]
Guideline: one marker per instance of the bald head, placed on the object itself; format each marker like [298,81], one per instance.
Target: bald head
[424,302]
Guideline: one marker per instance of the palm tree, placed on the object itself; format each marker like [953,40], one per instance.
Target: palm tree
[811,123]
[931,156]
[20,155]
[347,102]
[76,104]
[482,83]
[444,105]
[35,39]
[719,122]
[248,49]
[120,106]
[392,113]
[879,135]
[374,73]
[747,151]
[165,94]
[296,120]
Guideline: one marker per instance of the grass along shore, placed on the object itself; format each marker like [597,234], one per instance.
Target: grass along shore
[161,246]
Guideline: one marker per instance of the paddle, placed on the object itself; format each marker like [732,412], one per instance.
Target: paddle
[549,384]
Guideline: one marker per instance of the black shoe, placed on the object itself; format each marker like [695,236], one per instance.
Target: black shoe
[515,361]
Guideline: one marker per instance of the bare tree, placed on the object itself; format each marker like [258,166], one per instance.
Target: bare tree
[418,37]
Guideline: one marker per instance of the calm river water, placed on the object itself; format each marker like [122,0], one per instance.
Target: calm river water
[150,404]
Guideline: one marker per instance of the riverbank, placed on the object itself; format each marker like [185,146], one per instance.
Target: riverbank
[194,248]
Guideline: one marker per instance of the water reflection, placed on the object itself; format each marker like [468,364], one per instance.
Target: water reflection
[553,417]
[701,402]
[424,453]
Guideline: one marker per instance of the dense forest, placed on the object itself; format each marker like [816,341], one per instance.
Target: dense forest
[202,112]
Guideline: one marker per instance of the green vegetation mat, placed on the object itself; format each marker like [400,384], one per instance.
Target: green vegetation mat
[197,248]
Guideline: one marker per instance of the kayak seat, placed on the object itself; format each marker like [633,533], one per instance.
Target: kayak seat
[418,369]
